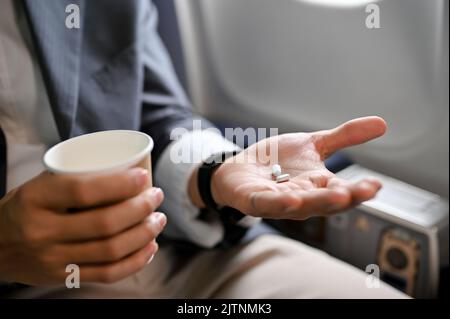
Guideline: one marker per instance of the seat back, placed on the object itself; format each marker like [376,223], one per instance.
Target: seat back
[299,66]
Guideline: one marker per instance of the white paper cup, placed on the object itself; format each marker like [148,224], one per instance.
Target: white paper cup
[101,152]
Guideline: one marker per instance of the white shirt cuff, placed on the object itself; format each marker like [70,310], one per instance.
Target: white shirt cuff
[174,168]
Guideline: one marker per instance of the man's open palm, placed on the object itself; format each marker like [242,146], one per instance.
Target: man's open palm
[245,182]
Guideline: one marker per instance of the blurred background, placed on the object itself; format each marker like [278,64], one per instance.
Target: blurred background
[305,65]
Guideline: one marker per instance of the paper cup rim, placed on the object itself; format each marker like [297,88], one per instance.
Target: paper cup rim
[128,163]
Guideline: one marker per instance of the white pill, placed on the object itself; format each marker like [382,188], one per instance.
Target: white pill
[283,178]
[276,170]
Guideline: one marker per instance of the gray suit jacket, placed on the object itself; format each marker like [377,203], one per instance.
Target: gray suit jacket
[112,73]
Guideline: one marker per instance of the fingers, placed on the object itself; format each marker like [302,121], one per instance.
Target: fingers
[116,271]
[319,202]
[108,221]
[120,246]
[84,191]
[299,205]
[352,133]
[360,191]
[270,204]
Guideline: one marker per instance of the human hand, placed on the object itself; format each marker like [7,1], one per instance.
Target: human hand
[111,236]
[244,182]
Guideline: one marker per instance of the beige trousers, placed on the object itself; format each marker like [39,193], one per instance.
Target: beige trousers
[268,267]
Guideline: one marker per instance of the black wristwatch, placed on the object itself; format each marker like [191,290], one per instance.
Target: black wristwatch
[234,221]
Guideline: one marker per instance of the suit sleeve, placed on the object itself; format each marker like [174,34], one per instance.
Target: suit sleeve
[165,106]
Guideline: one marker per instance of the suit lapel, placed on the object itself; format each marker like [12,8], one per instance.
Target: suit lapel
[59,50]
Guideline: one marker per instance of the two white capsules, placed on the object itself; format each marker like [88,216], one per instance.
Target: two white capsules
[278,175]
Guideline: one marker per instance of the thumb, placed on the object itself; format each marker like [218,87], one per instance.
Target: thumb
[354,132]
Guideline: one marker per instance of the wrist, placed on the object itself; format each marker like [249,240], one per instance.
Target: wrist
[216,188]
[4,216]
[193,190]
[212,178]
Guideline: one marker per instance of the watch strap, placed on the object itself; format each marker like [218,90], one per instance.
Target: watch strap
[231,217]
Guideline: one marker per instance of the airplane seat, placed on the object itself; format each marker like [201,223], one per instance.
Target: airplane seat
[168,28]
[305,65]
